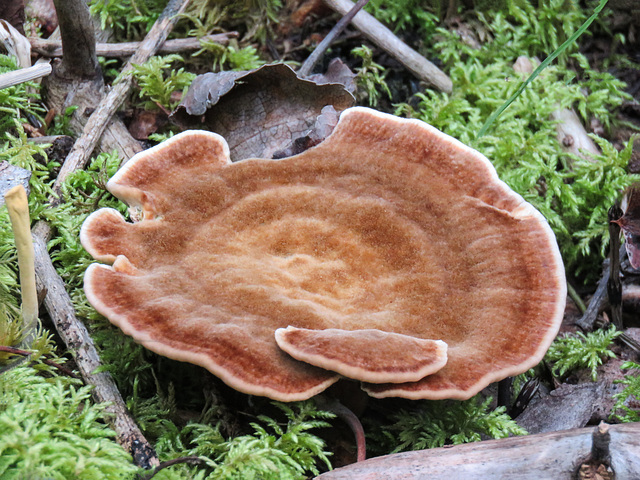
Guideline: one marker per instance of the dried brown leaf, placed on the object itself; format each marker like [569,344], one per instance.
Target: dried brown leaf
[259,112]
[144,123]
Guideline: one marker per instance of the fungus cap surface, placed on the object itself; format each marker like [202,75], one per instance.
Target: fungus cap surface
[388,225]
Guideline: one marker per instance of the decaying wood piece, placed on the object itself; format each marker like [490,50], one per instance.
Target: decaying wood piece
[80,345]
[597,302]
[96,124]
[77,34]
[53,48]
[572,135]
[556,455]
[386,40]
[566,407]
[10,176]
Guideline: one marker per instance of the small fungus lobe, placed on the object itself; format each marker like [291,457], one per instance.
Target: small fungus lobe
[390,253]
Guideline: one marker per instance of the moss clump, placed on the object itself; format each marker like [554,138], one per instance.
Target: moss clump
[573,194]
[49,428]
[572,352]
[432,424]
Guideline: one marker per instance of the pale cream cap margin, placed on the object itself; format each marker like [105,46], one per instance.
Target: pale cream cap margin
[132,197]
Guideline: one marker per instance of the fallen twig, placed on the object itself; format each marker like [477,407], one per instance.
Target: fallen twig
[96,124]
[80,345]
[385,39]
[57,301]
[596,304]
[176,461]
[307,67]
[22,75]
[53,48]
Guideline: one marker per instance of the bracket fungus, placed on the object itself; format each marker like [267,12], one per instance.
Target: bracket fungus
[390,254]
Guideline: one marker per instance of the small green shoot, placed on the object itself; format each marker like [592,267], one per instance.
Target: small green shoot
[573,352]
[158,81]
[370,76]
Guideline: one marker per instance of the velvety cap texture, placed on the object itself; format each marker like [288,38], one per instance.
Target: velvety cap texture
[390,254]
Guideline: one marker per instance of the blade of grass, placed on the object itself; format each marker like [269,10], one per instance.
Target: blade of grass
[541,67]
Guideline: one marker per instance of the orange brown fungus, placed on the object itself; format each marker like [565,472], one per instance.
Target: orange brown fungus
[387,236]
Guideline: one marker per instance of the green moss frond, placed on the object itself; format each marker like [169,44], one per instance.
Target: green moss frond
[157,81]
[622,410]
[370,77]
[432,424]
[50,429]
[277,448]
[16,102]
[572,352]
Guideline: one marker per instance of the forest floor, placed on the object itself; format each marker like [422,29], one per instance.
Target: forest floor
[166,410]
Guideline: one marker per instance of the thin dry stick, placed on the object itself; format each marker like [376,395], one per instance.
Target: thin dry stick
[597,303]
[53,48]
[57,301]
[18,206]
[80,345]
[96,124]
[385,39]
[17,77]
[310,62]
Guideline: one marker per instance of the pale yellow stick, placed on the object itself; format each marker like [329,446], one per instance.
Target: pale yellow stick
[18,206]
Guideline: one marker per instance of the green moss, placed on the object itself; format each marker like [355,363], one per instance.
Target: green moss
[572,352]
[49,428]
[621,410]
[157,81]
[129,19]
[369,77]
[573,194]
[432,424]
[16,102]
[278,448]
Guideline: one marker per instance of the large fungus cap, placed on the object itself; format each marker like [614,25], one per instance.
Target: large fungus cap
[390,253]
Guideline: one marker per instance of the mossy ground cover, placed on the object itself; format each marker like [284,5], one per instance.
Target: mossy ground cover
[49,428]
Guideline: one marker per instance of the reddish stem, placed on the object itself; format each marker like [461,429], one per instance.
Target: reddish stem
[25,353]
